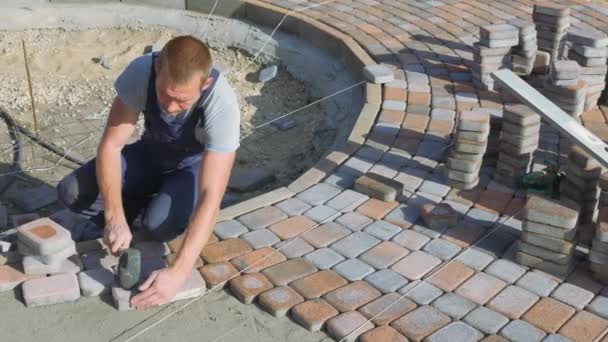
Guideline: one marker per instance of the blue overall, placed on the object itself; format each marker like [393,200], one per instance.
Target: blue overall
[160,173]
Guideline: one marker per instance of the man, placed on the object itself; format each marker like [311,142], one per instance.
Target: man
[176,174]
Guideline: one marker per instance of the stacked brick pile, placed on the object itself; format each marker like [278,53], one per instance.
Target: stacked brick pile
[549,231]
[565,88]
[519,138]
[590,50]
[598,255]
[524,54]
[48,249]
[464,161]
[552,22]
[581,182]
[493,52]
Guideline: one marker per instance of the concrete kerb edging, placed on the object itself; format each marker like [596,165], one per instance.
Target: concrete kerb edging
[340,45]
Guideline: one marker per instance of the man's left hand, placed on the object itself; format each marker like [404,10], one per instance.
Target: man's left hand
[160,288]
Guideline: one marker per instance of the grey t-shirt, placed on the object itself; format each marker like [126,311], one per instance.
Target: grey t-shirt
[222,115]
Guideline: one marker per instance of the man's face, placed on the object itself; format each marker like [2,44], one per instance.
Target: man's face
[175,98]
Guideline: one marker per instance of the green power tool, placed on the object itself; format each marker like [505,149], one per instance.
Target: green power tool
[129,268]
[545,182]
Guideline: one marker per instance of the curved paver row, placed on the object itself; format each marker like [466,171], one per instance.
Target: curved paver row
[334,258]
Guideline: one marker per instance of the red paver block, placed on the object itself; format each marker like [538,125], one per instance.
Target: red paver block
[279,300]
[288,271]
[348,326]
[176,244]
[258,260]
[420,323]
[383,334]
[44,236]
[291,227]
[59,288]
[318,284]
[416,265]
[218,273]
[10,277]
[399,306]
[224,250]
[493,200]
[584,326]
[248,286]
[464,234]
[395,94]
[549,314]
[313,314]
[325,234]
[376,209]
[451,276]
[352,296]
[481,287]
[384,255]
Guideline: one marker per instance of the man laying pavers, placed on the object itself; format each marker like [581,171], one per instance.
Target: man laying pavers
[176,174]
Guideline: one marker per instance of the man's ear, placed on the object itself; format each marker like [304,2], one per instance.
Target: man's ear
[208,82]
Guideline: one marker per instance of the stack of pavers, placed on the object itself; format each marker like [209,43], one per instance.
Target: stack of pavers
[590,49]
[524,54]
[493,52]
[549,234]
[565,89]
[519,138]
[598,255]
[48,249]
[471,141]
[552,22]
[581,182]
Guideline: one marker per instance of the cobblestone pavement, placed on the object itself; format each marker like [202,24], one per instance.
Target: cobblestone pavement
[358,255]
[456,286]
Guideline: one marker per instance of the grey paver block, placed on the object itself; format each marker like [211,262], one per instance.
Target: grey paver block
[505,270]
[44,237]
[32,199]
[513,301]
[386,280]
[434,187]
[378,73]
[347,201]
[416,265]
[559,213]
[475,259]
[33,266]
[411,240]
[55,289]
[95,282]
[294,248]
[394,105]
[599,306]
[355,244]
[260,238]
[152,249]
[229,229]
[486,320]
[405,215]
[354,221]
[522,331]
[318,194]
[320,213]
[537,282]
[556,338]
[121,298]
[573,295]
[442,249]
[455,331]
[482,217]
[324,258]
[453,305]
[432,233]
[353,269]
[384,255]
[423,293]
[262,218]
[382,230]
[423,321]
[293,206]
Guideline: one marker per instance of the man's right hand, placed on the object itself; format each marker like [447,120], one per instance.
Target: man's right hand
[117,235]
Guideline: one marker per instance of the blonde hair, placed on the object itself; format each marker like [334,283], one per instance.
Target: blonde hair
[184,57]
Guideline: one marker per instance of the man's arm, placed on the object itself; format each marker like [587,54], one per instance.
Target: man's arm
[163,285]
[119,128]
